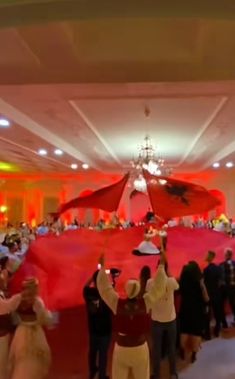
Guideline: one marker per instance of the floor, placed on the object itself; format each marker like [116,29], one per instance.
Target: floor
[215,361]
[68,341]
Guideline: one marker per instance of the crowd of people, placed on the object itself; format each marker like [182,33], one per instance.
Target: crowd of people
[159,316]
[55,225]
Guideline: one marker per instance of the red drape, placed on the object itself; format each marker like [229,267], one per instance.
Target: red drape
[64,263]
[175,198]
[107,198]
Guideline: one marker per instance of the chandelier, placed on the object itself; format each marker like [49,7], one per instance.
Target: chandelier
[150,161]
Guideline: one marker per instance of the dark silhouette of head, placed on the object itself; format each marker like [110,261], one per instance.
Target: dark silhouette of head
[210,256]
[145,273]
[228,254]
[94,277]
[190,277]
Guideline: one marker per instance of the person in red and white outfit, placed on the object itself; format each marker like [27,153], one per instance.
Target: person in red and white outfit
[131,322]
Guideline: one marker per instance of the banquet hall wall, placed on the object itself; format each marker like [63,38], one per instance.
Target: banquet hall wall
[31,197]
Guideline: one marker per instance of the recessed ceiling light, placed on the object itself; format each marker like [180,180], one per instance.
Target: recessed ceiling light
[85,166]
[4,122]
[216,165]
[229,164]
[42,152]
[74,166]
[58,152]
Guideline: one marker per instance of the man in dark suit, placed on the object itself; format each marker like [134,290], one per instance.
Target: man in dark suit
[100,329]
[228,283]
[213,278]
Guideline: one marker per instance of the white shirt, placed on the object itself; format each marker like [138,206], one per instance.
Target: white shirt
[111,297]
[164,308]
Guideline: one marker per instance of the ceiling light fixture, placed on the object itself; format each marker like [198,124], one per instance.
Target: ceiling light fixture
[148,160]
[85,166]
[4,123]
[229,164]
[58,152]
[74,166]
[42,152]
[216,165]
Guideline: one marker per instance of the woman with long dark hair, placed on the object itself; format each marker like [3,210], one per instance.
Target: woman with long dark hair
[194,298]
[145,275]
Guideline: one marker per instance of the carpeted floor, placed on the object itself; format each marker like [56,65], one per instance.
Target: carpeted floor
[68,341]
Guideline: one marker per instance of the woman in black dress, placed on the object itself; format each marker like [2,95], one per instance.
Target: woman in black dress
[192,313]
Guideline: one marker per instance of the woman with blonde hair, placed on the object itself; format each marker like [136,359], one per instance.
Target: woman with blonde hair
[29,352]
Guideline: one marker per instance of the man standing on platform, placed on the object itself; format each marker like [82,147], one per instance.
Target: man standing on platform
[100,329]
[131,322]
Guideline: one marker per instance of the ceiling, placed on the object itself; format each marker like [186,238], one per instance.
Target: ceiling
[81,79]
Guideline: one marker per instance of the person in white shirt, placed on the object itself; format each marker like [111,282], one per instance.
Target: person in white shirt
[163,316]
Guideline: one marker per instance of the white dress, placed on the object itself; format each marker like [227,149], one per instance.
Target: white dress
[29,352]
[148,247]
[6,307]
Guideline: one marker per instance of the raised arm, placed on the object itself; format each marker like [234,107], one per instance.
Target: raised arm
[158,285]
[158,288]
[9,305]
[105,288]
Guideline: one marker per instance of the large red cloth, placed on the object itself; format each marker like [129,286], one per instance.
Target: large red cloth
[107,198]
[175,198]
[64,263]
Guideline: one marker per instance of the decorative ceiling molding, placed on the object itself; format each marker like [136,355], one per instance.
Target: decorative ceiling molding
[221,154]
[22,147]
[41,131]
[89,124]
[204,127]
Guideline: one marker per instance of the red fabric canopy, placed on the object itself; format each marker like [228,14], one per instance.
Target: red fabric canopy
[64,263]
[175,198]
[107,198]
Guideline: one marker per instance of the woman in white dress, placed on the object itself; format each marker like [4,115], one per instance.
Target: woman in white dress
[147,247]
[6,307]
[29,352]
